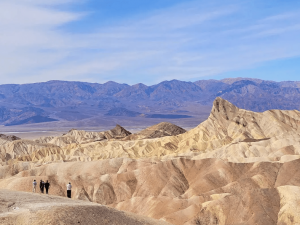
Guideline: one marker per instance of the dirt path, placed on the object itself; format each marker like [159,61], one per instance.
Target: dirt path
[27,208]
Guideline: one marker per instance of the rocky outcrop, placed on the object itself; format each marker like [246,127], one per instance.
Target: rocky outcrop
[229,133]
[7,138]
[157,131]
[22,150]
[117,133]
[80,136]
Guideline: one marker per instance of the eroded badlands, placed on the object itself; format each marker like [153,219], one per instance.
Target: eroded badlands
[237,167]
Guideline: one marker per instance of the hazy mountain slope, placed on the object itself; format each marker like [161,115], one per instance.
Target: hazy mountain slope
[24,115]
[210,87]
[128,113]
[164,90]
[185,91]
[233,80]
[253,94]
[261,96]
[48,101]
[122,112]
[135,92]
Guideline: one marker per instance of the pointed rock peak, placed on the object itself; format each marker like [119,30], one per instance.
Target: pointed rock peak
[119,131]
[222,102]
[72,130]
[164,124]
[119,127]
[223,108]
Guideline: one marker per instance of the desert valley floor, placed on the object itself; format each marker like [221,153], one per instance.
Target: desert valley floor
[237,167]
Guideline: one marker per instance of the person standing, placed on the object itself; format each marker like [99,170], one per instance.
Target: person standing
[34,186]
[42,185]
[47,185]
[69,187]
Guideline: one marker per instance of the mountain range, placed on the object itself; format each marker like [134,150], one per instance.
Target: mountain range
[80,102]
[236,167]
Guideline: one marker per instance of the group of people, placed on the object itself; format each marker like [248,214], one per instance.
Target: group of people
[43,185]
[46,185]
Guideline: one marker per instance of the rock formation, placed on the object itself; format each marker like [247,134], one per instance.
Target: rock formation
[81,136]
[237,167]
[229,133]
[179,191]
[160,130]
[7,138]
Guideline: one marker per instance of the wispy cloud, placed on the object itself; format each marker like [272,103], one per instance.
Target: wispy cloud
[185,41]
[30,38]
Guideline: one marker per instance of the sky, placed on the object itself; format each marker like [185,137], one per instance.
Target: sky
[136,41]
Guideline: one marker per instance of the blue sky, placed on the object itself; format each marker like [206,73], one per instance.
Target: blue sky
[147,42]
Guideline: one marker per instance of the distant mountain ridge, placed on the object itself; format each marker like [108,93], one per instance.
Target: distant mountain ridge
[57,100]
[128,113]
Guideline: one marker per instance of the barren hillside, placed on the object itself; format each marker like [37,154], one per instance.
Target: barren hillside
[80,104]
[229,133]
[237,167]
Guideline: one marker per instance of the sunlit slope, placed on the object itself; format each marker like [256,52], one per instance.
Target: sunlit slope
[237,167]
[180,191]
[229,133]
[19,208]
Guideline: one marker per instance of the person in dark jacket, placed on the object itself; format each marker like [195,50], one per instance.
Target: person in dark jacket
[69,187]
[47,185]
[42,185]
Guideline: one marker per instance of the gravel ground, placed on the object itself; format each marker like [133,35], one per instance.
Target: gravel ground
[27,208]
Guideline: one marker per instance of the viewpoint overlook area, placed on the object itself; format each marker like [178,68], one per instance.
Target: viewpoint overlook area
[160,112]
[236,167]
